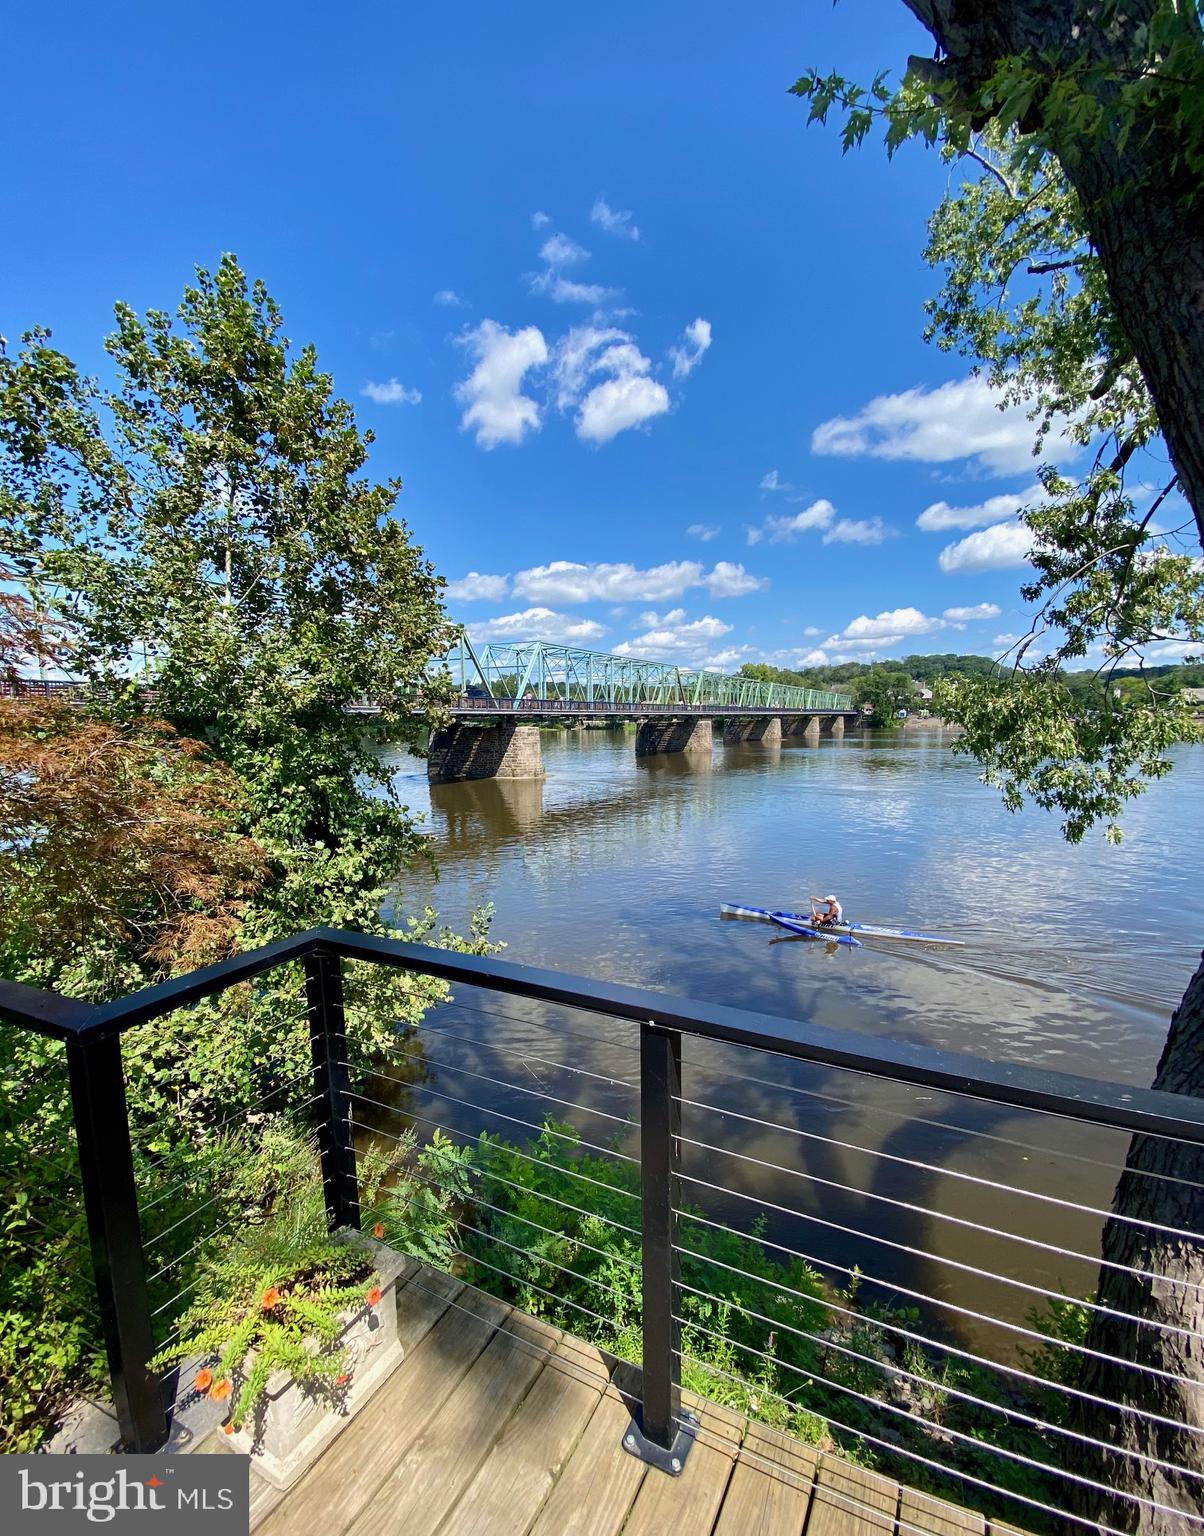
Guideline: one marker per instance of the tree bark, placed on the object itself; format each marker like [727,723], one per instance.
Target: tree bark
[1147,225]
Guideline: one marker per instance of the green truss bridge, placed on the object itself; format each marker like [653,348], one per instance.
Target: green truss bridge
[502,693]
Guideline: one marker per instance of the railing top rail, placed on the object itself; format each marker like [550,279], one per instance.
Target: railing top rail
[1136,1110]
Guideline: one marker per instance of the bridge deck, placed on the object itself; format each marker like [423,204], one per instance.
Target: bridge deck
[609,709]
[496,1424]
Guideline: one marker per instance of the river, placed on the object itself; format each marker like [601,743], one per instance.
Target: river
[1074,958]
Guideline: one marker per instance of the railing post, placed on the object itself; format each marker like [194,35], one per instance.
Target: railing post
[328,1045]
[661,1433]
[106,1166]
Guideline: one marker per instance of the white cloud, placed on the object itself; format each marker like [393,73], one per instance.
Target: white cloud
[538,624]
[623,397]
[940,516]
[688,643]
[696,339]
[475,588]
[972,615]
[730,580]
[811,631]
[658,620]
[893,625]
[448,298]
[392,393]
[562,290]
[773,482]
[540,220]
[705,532]
[495,407]
[959,420]
[568,581]
[1005,640]
[990,549]
[626,401]
[562,251]
[866,530]
[613,221]
[784,530]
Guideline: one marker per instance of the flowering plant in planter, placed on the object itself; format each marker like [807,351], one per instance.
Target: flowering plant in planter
[278,1297]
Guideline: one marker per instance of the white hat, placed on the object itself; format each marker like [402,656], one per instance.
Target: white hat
[829,898]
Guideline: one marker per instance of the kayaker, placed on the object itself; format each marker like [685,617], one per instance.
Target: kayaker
[826,911]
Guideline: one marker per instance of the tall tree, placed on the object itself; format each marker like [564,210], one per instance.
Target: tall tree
[207,535]
[1074,273]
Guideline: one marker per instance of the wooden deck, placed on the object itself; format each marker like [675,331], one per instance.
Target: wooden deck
[496,1424]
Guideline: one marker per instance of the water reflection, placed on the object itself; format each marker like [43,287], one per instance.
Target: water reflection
[616,868]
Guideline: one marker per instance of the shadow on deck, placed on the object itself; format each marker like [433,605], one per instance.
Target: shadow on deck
[496,1424]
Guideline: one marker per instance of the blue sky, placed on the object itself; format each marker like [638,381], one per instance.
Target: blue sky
[645,348]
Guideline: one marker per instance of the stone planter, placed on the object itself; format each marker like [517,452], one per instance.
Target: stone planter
[295,1422]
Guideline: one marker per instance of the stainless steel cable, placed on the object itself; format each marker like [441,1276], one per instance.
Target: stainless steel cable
[935,1258]
[1029,1377]
[960,1221]
[956,1472]
[949,1173]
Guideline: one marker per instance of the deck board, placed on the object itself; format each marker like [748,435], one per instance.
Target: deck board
[496,1424]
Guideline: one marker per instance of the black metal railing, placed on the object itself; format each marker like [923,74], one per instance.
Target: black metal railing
[639,1102]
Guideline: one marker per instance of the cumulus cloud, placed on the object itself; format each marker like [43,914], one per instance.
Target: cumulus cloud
[812,630]
[687,642]
[866,530]
[475,588]
[613,221]
[392,393]
[887,628]
[448,298]
[696,338]
[704,532]
[997,548]
[538,624]
[540,220]
[495,407]
[730,580]
[940,516]
[959,420]
[568,581]
[784,530]
[659,620]
[601,371]
[562,251]
[972,615]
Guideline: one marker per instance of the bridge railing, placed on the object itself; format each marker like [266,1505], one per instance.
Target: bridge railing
[540,670]
[694,1187]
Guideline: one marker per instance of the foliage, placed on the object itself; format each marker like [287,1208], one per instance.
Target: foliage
[118,851]
[278,1295]
[1026,294]
[205,530]
[885,691]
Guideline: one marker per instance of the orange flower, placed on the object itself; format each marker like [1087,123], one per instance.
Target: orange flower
[269,1298]
[374,1296]
[220,1390]
[203,1379]
[341,1381]
[228,1429]
[378,1230]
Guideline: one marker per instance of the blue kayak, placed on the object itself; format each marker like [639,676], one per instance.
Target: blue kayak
[805,920]
[811,931]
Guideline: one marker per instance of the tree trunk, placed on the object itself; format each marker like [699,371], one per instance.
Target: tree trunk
[1170,1203]
[1145,222]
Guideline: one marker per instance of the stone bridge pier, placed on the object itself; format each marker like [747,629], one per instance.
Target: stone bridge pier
[804,728]
[654,737]
[762,730]
[832,725]
[504,750]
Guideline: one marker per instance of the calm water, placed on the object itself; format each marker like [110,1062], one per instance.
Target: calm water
[610,868]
